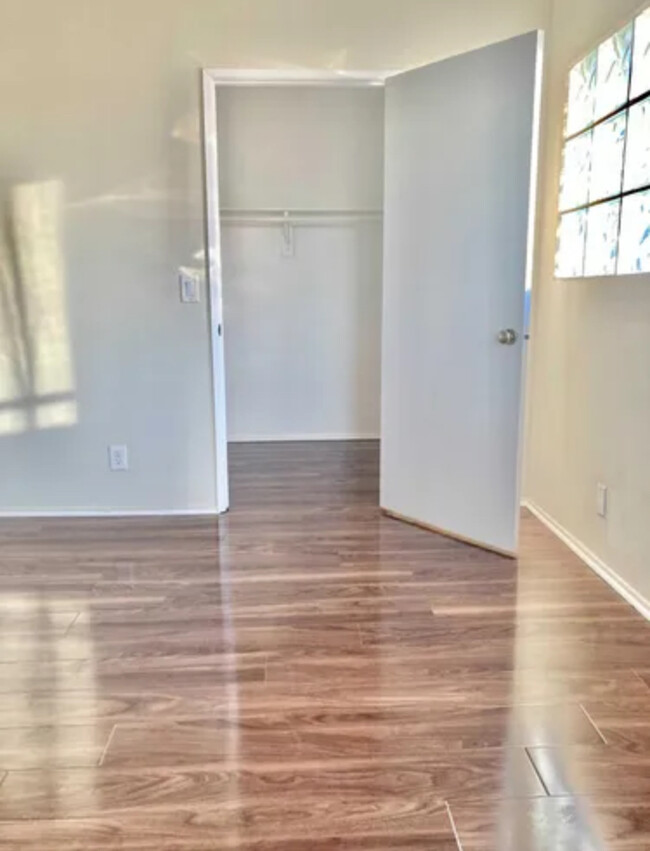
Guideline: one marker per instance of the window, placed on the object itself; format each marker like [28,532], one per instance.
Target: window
[604,226]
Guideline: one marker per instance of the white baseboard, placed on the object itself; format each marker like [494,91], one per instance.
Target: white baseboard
[299,438]
[620,585]
[110,512]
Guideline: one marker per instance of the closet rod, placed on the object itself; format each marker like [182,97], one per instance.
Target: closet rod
[294,217]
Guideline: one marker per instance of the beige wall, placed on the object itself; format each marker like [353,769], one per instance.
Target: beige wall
[100,183]
[100,203]
[590,387]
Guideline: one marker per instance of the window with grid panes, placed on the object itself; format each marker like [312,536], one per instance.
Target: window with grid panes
[604,226]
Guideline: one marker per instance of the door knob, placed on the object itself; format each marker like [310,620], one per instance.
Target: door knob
[507,337]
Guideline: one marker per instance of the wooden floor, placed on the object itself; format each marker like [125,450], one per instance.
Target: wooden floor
[306,674]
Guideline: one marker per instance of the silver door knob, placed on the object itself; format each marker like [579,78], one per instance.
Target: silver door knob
[507,337]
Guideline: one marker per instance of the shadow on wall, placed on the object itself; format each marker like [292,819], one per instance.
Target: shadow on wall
[37,387]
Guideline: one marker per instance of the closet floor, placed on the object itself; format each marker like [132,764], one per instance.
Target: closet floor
[305,673]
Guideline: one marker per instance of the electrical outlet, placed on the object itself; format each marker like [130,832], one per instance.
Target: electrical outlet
[118,458]
[601,500]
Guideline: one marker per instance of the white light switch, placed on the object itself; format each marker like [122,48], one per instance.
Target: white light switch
[118,458]
[601,500]
[189,281]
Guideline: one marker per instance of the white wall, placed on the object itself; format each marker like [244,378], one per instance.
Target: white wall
[300,147]
[102,99]
[302,332]
[590,376]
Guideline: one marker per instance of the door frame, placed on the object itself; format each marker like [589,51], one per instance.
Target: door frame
[211,80]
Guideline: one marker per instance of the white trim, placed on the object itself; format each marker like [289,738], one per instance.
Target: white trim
[210,79]
[113,512]
[214,288]
[302,438]
[620,585]
[533,190]
[295,77]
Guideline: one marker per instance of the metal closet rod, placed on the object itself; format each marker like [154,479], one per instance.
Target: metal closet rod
[290,216]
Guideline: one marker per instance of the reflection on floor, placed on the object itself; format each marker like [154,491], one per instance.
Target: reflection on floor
[311,675]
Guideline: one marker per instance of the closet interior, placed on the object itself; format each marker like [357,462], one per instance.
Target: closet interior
[301,214]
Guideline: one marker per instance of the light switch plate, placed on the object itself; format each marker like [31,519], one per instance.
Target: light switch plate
[118,457]
[189,281]
[601,499]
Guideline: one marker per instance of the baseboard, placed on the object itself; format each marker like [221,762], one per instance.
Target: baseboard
[110,512]
[300,438]
[620,585]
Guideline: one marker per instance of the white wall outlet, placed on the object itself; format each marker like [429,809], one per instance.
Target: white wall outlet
[189,282]
[118,458]
[601,499]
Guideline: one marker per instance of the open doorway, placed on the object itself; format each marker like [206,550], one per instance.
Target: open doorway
[294,171]
[328,194]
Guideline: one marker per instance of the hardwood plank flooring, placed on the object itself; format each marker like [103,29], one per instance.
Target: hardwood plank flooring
[307,674]
[585,770]
[553,824]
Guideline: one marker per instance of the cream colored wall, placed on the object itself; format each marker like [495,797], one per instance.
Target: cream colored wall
[99,132]
[590,372]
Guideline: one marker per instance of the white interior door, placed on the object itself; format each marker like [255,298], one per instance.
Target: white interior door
[459,199]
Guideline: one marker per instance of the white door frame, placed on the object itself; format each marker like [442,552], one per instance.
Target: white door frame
[211,79]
